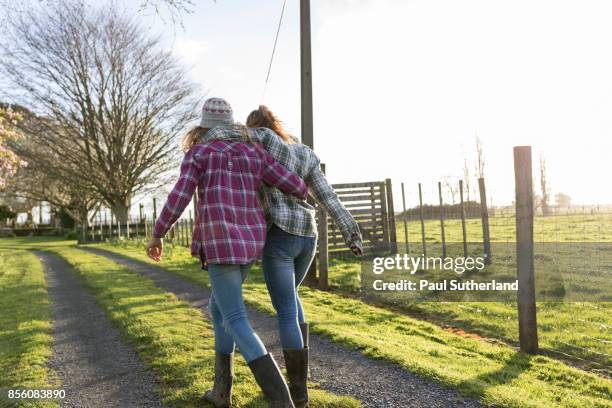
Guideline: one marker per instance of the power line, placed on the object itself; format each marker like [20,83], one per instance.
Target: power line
[280,21]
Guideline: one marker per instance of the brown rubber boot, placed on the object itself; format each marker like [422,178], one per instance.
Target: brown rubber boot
[271,381]
[221,394]
[296,362]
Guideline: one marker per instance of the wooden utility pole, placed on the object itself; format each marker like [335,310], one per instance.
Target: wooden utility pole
[306,92]
[306,76]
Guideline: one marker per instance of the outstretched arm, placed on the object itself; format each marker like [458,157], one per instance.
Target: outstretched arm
[178,199]
[327,197]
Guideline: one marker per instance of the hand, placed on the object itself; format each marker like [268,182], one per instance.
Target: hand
[155,248]
[357,248]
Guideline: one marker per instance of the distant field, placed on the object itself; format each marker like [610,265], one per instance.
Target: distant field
[559,228]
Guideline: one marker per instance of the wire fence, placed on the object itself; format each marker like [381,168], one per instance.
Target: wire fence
[572,258]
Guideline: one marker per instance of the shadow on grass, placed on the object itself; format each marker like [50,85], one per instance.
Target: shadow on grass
[512,369]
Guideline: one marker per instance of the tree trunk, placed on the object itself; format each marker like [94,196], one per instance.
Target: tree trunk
[121,210]
[83,216]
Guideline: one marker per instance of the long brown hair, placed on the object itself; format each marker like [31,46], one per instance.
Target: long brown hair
[264,117]
[191,138]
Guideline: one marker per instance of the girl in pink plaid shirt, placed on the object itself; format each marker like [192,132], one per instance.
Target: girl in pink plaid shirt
[230,234]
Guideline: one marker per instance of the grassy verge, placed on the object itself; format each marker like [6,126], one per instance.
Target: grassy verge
[494,373]
[578,332]
[25,326]
[171,337]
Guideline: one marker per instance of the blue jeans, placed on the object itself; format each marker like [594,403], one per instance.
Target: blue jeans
[286,259]
[228,312]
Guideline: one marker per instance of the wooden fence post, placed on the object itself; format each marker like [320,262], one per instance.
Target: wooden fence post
[154,209]
[463,228]
[406,244]
[528,328]
[190,227]
[323,246]
[422,221]
[442,234]
[385,215]
[391,213]
[484,214]
[195,204]
[100,225]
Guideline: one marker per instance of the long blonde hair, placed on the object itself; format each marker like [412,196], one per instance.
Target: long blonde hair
[191,138]
[264,117]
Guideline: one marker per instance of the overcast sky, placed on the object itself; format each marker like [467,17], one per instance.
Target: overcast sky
[402,87]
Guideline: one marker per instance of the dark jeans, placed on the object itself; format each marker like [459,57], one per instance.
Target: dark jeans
[286,259]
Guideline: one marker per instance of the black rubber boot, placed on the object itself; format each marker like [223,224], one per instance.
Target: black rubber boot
[271,381]
[305,333]
[221,394]
[296,362]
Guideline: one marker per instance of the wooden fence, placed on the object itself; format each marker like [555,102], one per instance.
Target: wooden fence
[371,204]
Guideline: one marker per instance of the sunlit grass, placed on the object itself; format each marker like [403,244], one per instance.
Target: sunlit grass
[25,326]
[494,373]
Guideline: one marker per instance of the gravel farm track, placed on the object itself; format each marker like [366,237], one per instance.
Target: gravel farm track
[336,368]
[95,366]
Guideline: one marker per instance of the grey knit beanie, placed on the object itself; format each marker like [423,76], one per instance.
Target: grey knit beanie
[216,112]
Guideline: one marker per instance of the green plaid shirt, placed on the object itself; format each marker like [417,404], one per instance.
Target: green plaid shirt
[288,213]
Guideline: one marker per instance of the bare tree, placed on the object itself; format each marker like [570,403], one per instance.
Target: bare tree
[545,198]
[113,102]
[174,8]
[453,188]
[466,178]
[480,158]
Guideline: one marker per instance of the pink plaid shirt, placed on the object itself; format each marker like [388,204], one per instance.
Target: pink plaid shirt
[230,224]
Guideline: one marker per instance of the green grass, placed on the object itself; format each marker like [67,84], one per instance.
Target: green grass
[171,337]
[494,373]
[580,332]
[25,326]
[575,248]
